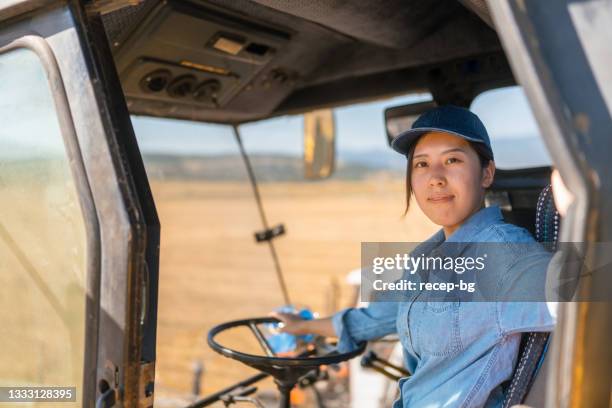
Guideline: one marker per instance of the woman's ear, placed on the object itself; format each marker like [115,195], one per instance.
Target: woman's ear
[488,173]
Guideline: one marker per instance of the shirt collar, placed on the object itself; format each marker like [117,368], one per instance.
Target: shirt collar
[476,224]
[465,234]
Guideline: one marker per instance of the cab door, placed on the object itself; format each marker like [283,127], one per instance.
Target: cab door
[79,234]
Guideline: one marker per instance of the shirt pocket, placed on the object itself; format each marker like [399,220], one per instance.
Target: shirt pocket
[437,326]
[478,322]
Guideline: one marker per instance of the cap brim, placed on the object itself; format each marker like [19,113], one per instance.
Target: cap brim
[404,140]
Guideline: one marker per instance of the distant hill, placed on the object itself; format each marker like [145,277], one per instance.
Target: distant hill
[351,165]
[268,168]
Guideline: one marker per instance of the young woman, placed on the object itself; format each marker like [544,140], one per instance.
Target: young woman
[459,353]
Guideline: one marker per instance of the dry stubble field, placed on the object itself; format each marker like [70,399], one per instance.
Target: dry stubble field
[211,269]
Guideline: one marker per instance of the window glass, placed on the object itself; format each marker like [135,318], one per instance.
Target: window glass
[515,137]
[42,237]
[211,268]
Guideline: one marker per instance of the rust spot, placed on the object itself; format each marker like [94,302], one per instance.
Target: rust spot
[582,123]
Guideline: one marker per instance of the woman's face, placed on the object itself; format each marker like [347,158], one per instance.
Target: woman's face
[447,179]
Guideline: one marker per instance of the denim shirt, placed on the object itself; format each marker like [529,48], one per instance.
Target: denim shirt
[458,353]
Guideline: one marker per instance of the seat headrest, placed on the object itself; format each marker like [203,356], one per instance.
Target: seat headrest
[547,218]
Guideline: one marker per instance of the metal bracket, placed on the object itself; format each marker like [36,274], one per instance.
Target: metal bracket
[270,233]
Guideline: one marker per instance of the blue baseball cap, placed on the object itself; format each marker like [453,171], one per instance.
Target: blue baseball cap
[447,118]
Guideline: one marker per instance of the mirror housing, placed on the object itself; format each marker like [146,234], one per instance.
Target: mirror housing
[319,144]
[401,118]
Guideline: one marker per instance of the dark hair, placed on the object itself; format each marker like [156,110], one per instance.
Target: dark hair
[484,155]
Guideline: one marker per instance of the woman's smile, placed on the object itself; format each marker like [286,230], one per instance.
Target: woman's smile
[440,198]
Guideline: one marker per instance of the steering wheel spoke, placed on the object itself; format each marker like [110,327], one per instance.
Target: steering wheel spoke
[262,340]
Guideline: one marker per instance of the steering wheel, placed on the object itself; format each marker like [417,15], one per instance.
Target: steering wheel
[286,371]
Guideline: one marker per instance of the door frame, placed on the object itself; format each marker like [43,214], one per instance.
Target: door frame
[121,219]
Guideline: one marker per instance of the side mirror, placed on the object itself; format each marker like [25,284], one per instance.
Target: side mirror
[401,118]
[319,144]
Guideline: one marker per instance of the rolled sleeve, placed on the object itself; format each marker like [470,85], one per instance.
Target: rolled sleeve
[518,317]
[356,325]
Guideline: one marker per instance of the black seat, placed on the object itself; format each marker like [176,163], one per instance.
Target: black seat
[534,344]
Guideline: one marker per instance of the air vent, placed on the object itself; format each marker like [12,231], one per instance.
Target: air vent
[207,91]
[182,86]
[155,81]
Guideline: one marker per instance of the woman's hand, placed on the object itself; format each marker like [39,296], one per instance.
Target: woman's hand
[294,324]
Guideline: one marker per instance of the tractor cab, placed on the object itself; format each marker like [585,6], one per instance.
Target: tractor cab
[172,171]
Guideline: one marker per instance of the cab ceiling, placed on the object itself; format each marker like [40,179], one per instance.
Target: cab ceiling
[241,60]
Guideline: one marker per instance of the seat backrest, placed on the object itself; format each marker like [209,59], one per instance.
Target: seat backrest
[534,344]
[547,218]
